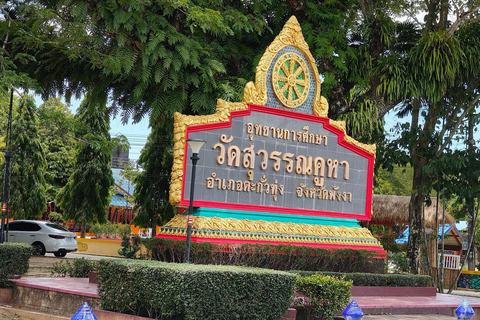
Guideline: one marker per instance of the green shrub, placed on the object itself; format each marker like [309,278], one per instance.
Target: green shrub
[326,295]
[109,230]
[278,257]
[130,246]
[55,217]
[399,261]
[193,292]
[75,268]
[381,280]
[14,260]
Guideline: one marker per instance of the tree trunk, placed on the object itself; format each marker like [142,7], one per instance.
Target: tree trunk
[471,234]
[471,202]
[154,227]
[83,229]
[415,234]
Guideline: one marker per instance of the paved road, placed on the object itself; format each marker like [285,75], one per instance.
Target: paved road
[80,255]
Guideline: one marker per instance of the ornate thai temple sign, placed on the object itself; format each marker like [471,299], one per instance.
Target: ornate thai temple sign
[275,161]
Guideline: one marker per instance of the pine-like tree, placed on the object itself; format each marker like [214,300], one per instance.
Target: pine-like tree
[152,183]
[27,167]
[86,194]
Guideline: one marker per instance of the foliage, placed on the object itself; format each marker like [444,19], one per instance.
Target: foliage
[57,135]
[378,280]
[14,260]
[279,257]
[397,182]
[399,261]
[109,230]
[152,183]
[86,194]
[74,268]
[186,291]
[326,295]
[162,56]
[27,167]
[130,246]
[55,217]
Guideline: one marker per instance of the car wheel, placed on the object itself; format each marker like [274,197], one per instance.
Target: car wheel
[60,254]
[38,249]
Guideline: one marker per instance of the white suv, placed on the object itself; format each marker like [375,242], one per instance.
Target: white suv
[43,236]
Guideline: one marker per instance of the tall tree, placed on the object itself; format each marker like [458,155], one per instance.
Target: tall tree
[153,181]
[441,88]
[58,138]
[27,166]
[85,197]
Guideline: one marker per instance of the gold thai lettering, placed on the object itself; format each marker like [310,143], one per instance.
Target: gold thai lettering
[303,165]
[249,157]
[260,187]
[266,130]
[287,157]
[274,130]
[224,139]
[332,165]
[221,185]
[321,193]
[346,169]
[264,162]
[239,185]
[258,129]
[284,134]
[233,156]
[300,189]
[249,127]
[221,152]
[250,175]
[211,181]
[280,133]
[319,170]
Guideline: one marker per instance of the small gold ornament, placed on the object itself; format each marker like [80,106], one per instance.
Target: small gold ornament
[291,80]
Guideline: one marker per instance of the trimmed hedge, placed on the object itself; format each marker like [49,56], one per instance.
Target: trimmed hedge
[193,292]
[325,295]
[380,280]
[278,257]
[14,260]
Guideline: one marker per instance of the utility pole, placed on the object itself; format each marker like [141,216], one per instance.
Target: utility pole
[8,156]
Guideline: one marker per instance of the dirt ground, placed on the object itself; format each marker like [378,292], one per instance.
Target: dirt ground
[6,316]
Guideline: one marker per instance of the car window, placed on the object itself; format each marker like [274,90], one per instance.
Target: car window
[55,226]
[30,226]
[15,226]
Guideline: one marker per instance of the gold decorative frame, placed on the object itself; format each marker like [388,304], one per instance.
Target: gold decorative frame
[261,230]
[291,35]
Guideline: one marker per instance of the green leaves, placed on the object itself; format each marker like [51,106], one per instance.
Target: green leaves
[437,60]
[86,194]
[326,295]
[27,182]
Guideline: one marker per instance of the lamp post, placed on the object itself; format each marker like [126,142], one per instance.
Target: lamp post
[195,145]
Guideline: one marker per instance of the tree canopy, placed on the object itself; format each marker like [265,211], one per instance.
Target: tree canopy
[27,183]
[85,197]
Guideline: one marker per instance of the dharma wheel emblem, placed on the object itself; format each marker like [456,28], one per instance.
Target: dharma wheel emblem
[291,80]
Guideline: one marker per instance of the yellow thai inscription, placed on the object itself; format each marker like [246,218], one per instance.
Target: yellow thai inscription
[262,186]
